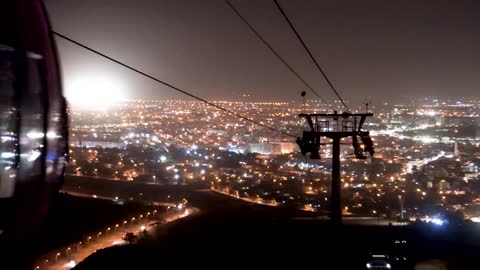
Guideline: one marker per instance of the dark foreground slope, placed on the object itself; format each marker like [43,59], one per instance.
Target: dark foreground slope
[69,220]
[241,236]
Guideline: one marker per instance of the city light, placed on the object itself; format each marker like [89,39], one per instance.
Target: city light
[70,264]
[215,156]
[437,221]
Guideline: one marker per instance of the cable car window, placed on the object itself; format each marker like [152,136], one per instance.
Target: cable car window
[32,119]
[55,161]
[8,122]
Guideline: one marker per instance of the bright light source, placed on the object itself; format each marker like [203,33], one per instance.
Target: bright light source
[70,264]
[475,219]
[94,92]
[7,154]
[388,266]
[180,206]
[163,158]
[35,135]
[143,228]
[437,221]
[369,265]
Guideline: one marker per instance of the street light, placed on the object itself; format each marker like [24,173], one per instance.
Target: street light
[88,239]
[141,216]
[401,206]
[108,229]
[68,249]
[56,256]
[98,234]
[116,226]
[133,219]
[124,222]
[45,262]
[78,245]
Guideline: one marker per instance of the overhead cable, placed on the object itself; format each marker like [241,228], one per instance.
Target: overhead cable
[170,85]
[277,54]
[311,55]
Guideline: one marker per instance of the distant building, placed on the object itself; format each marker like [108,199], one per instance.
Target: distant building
[217,132]
[264,148]
[444,185]
[289,147]
[273,148]
[102,144]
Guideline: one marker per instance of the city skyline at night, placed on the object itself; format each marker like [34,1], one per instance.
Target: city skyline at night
[179,142]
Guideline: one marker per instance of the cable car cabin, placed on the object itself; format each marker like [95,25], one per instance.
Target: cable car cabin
[33,118]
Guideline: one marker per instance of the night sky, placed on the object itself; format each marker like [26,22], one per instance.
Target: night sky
[378,50]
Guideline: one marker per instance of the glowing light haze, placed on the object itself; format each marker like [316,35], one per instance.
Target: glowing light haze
[94,92]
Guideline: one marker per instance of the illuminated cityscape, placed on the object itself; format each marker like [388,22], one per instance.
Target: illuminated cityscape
[426,161]
[239,134]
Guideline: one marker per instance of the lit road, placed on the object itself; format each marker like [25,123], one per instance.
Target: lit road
[68,256]
[78,194]
[367,221]
[422,162]
[250,200]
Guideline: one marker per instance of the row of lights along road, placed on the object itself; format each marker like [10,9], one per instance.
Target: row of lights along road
[79,244]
